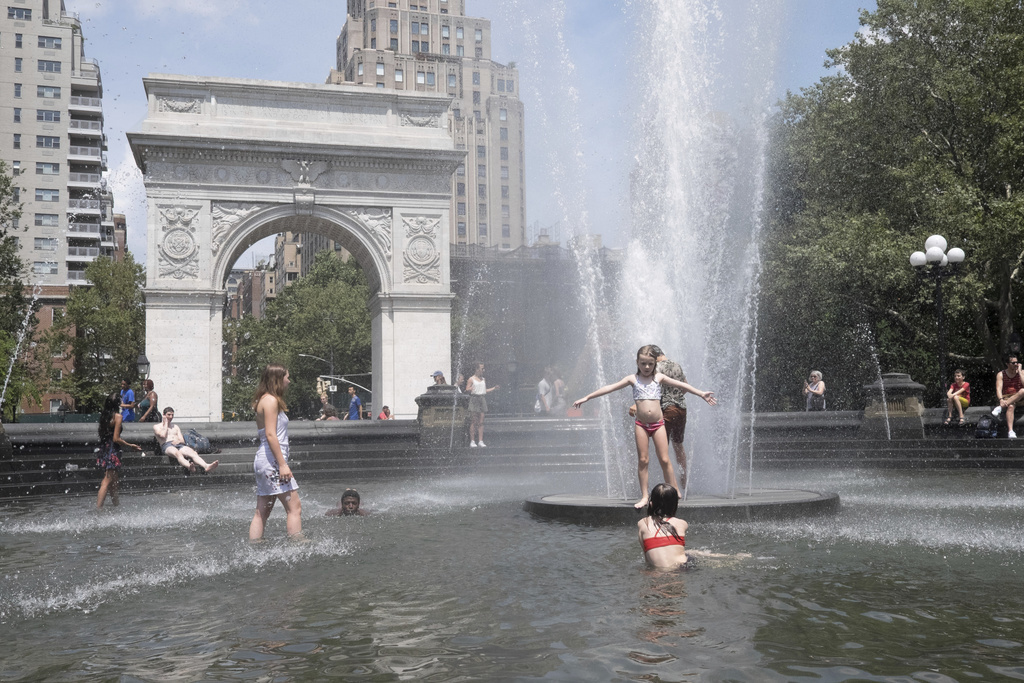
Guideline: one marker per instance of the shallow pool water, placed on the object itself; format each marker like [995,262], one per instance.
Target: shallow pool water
[917,579]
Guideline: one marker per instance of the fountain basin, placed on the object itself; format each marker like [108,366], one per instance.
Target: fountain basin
[755,504]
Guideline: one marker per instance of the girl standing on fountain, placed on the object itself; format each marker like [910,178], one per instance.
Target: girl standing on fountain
[274,480]
[109,457]
[650,423]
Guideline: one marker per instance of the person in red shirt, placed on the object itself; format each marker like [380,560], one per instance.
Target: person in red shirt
[957,398]
[1010,390]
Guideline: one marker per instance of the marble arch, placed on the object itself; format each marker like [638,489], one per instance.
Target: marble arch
[227,162]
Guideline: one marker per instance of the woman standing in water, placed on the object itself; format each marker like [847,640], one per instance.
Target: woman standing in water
[662,536]
[650,423]
[476,387]
[109,457]
[274,480]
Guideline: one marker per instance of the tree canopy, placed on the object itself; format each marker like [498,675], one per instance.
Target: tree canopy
[323,314]
[919,131]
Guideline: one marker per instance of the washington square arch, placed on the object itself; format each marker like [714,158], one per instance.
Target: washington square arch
[227,162]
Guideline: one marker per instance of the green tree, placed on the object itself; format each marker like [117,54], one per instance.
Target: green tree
[16,308]
[323,314]
[102,331]
[920,131]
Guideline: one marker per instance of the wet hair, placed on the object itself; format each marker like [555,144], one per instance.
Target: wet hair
[168,409]
[111,407]
[272,382]
[147,384]
[656,350]
[663,504]
[330,411]
[648,350]
[350,493]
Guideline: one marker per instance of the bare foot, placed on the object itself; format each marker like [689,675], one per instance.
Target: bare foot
[213,466]
[640,504]
[192,468]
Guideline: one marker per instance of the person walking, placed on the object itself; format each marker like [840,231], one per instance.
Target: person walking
[149,412]
[127,401]
[355,406]
[274,479]
[109,457]
[476,387]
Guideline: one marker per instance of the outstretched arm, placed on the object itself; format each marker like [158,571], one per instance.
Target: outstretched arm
[708,396]
[607,389]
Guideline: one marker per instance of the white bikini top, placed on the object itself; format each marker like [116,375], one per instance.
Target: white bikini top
[649,391]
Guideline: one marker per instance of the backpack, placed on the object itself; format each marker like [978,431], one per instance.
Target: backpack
[988,427]
[199,443]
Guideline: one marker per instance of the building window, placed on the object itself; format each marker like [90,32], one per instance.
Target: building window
[506,231]
[505,213]
[359,69]
[47,220]
[414,28]
[504,153]
[481,191]
[478,35]
[446,31]
[46,243]
[421,77]
[17,89]
[49,66]
[481,151]
[19,13]
[48,115]
[503,114]
[394,26]
[481,210]
[48,141]
[504,192]
[509,85]
[481,171]
[15,168]
[430,78]
[457,113]
[424,28]
[476,78]
[17,40]
[394,45]
[17,141]
[44,268]
[461,170]
[462,229]
[461,208]
[17,115]
[504,172]
[503,133]
[292,276]
[476,97]
[424,46]
[451,81]
[48,91]
[399,75]
[373,25]
[482,229]
[49,43]
[460,189]
[17,64]
[458,32]
[17,198]
[415,46]
[459,51]
[373,43]
[380,68]
[501,85]
[379,84]
[47,195]
[446,49]
[55,403]
[47,168]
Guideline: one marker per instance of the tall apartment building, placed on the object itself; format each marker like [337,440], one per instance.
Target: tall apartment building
[51,135]
[431,45]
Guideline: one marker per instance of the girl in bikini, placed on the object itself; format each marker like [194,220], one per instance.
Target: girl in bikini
[661,534]
[649,421]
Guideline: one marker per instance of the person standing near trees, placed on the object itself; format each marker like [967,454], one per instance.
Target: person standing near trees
[127,401]
[814,392]
[355,406]
[476,387]
[1009,390]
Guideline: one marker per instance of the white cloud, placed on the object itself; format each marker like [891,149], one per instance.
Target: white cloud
[125,182]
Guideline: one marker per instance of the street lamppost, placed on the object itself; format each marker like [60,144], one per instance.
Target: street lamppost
[324,360]
[937,263]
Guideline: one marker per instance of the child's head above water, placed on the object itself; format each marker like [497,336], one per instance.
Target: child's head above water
[664,502]
[646,358]
[350,502]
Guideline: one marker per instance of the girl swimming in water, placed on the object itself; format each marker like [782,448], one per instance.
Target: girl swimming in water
[649,421]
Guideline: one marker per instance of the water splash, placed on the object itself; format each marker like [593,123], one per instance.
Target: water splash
[865,333]
[36,291]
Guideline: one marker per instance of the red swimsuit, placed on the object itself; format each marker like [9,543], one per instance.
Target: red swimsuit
[657,541]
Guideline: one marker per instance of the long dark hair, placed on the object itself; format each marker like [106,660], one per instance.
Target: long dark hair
[272,382]
[111,407]
[663,504]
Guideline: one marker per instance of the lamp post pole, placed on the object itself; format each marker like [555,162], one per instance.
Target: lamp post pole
[940,264]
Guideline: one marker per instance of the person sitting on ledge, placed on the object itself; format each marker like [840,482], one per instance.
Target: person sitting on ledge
[957,398]
[172,444]
[349,505]
[1009,390]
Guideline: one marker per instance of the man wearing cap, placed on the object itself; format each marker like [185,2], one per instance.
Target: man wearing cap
[438,377]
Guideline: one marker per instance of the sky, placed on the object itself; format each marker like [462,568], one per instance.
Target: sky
[588,42]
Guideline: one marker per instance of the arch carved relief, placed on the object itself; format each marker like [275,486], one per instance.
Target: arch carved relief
[178,251]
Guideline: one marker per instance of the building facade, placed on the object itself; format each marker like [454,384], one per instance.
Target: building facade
[51,135]
[431,45]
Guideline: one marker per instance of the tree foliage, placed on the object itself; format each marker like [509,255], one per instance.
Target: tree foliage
[919,131]
[102,331]
[323,314]
[15,305]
